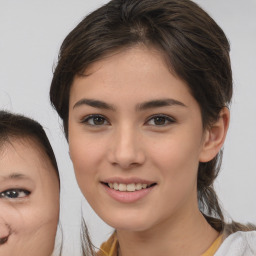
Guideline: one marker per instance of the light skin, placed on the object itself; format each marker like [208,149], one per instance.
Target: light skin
[132,121]
[29,200]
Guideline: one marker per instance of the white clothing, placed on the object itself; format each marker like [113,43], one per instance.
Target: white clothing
[238,244]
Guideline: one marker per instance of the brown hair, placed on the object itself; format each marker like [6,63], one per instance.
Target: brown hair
[195,48]
[14,126]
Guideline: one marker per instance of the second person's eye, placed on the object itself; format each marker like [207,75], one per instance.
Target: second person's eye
[14,193]
[95,120]
[160,120]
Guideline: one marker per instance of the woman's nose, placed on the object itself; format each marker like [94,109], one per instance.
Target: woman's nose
[126,149]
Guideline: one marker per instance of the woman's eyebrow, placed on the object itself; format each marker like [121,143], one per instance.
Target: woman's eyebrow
[94,103]
[14,176]
[156,103]
[159,103]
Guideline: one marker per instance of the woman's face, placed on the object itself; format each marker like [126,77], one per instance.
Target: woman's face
[136,139]
[29,200]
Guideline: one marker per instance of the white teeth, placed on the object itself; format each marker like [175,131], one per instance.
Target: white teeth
[138,186]
[116,186]
[127,187]
[130,187]
[122,187]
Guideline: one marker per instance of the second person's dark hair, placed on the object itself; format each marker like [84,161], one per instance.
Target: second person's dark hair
[19,126]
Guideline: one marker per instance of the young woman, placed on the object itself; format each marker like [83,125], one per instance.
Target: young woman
[143,88]
[29,188]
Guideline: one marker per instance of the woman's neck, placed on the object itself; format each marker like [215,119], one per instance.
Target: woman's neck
[189,235]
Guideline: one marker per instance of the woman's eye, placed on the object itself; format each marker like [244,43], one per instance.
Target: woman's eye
[14,193]
[95,120]
[160,120]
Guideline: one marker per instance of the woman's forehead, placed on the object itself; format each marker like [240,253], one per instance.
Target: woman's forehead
[23,157]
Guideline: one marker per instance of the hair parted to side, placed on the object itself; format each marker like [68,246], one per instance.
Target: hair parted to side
[194,46]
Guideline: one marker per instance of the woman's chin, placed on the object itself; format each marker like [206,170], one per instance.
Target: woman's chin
[128,224]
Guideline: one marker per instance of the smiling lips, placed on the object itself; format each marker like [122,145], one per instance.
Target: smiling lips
[127,187]
[128,191]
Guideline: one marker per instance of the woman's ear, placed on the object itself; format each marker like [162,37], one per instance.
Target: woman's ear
[215,136]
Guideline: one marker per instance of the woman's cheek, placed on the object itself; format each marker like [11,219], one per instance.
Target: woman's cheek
[10,221]
[84,154]
[23,229]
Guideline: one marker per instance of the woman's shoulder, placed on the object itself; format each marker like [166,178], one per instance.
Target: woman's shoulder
[238,244]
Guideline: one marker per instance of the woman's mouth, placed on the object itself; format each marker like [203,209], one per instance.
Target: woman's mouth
[129,187]
[128,192]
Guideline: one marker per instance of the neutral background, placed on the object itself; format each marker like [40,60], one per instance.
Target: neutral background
[31,32]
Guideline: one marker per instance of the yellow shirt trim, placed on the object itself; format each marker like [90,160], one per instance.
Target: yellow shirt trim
[109,248]
[214,247]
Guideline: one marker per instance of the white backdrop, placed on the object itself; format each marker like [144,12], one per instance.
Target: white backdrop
[31,32]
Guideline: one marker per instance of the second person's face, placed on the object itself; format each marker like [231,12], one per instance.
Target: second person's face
[29,200]
[135,137]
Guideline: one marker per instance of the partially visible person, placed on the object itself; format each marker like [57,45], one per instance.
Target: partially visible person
[29,188]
